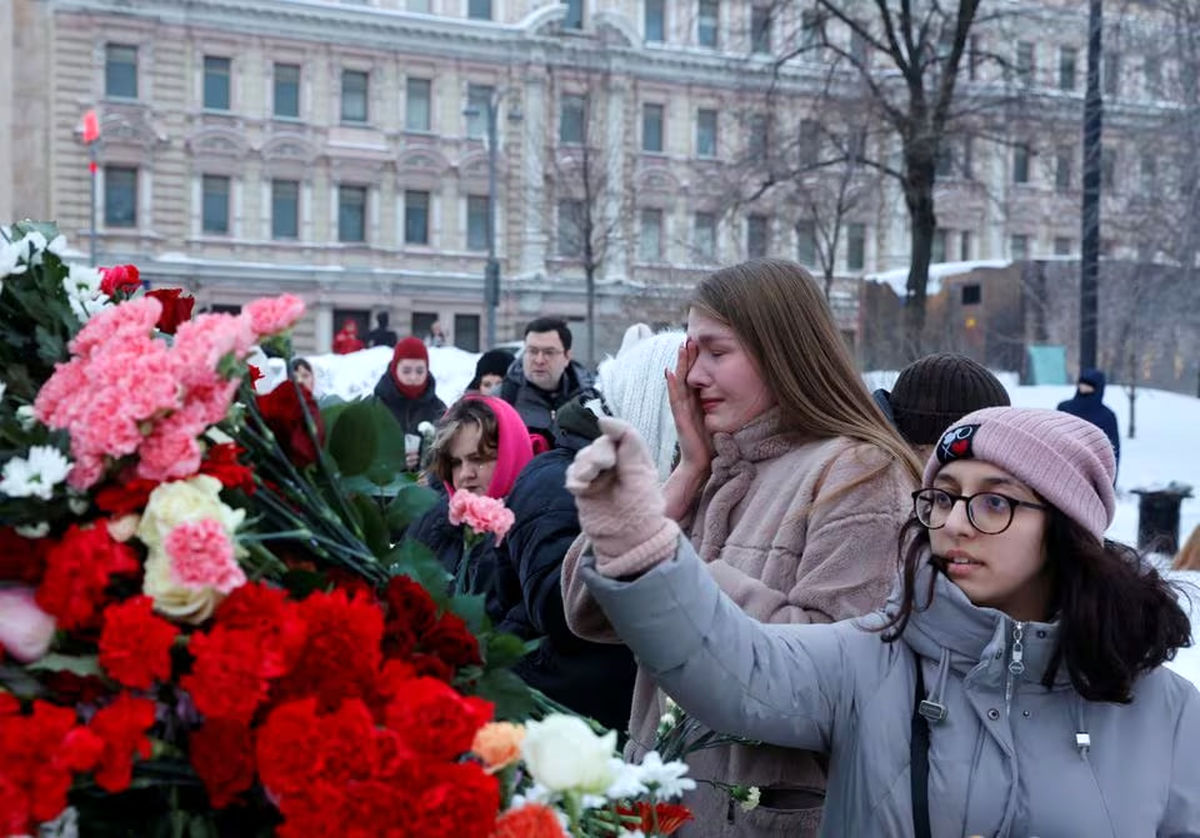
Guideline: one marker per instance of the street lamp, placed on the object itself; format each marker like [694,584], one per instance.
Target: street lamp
[1089,262]
[491,271]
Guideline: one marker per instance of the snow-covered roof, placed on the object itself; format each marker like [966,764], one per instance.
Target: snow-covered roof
[898,277]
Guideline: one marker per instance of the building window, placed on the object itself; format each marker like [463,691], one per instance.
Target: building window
[1025,64]
[418,6]
[856,247]
[759,138]
[416,217]
[214,204]
[466,332]
[652,128]
[285,209]
[1149,172]
[120,196]
[937,250]
[973,58]
[705,237]
[811,29]
[1152,70]
[570,229]
[806,243]
[479,109]
[216,83]
[1021,164]
[417,105]
[964,246]
[656,21]
[120,71]
[477,222]
[287,91]
[650,240]
[859,49]
[1108,169]
[972,294]
[352,213]
[809,142]
[760,29]
[1062,246]
[479,9]
[706,133]
[1068,59]
[574,18]
[707,22]
[354,96]
[1018,247]
[944,162]
[1112,74]
[758,236]
[1062,169]
[572,120]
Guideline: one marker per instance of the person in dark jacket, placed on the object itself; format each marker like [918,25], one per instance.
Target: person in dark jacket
[481,447]
[381,335]
[544,378]
[1088,404]
[410,393]
[490,370]
[593,679]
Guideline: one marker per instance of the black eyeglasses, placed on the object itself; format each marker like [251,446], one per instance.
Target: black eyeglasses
[988,512]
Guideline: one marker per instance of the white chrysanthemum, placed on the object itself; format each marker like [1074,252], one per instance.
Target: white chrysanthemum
[665,779]
[35,475]
[39,530]
[627,781]
[82,286]
[13,258]
[753,795]
[26,417]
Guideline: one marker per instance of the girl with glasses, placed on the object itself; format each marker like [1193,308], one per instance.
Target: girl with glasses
[1013,686]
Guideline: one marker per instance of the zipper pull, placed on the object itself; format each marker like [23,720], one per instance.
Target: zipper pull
[1017,664]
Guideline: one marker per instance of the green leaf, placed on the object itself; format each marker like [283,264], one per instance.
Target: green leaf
[375,532]
[504,650]
[414,560]
[412,501]
[471,607]
[83,665]
[513,699]
[354,440]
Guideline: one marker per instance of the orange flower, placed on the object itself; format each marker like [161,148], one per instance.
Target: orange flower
[498,744]
[533,820]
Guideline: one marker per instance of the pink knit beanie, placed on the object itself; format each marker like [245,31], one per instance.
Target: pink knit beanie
[1065,459]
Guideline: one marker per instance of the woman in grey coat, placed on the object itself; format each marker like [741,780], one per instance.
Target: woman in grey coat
[1012,687]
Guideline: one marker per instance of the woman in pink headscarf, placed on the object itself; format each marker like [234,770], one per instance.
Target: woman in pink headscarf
[481,447]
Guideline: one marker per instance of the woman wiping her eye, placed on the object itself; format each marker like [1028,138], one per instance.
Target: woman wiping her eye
[1013,686]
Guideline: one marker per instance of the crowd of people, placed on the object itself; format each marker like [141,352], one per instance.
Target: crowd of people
[900,603]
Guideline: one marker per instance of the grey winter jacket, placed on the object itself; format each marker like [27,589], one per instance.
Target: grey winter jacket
[1007,759]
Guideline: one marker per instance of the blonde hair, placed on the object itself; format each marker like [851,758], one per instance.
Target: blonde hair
[1189,557]
[781,318]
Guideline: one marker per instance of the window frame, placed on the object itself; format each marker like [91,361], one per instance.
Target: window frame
[213,228]
[344,191]
[214,72]
[276,235]
[349,73]
[275,85]
[110,65]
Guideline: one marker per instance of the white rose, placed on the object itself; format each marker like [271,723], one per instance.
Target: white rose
[562,753]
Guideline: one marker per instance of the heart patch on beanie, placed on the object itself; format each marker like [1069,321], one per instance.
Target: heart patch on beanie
[957,444]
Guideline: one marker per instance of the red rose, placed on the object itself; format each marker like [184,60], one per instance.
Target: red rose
[227,680]
[122,726]
[221,462]
[453,642]
[176,308]
[283,414]
[122,278]
[126,497]
[222,753]
[436,721]
[78,570]
[21,559]
[135,645]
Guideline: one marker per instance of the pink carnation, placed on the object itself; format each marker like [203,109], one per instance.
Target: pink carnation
[272,315]
[481,513]
[171,452]
[129,319]
[202,556]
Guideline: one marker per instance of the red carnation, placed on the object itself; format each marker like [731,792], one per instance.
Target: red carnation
[221,462]
[21,559]
[135,645]
[125,497]
[288,748]
[453,642]
[436,721]
[409,604]
[222,753]
[255,373]
[78,570]
[532,820]
[227,680]
[432,666]
[283,414]
[176,308]
[122,726]
[272,619]
[659,818]
[462,801]
[122,278]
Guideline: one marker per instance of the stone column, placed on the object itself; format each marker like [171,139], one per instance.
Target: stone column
[532,260]
[616,255]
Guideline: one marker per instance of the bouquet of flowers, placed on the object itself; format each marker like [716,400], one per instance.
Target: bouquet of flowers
[206,626]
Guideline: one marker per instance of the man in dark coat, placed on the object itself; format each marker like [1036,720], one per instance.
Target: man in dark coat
[381,335]
[544,378]
[593,679]
[1088,404]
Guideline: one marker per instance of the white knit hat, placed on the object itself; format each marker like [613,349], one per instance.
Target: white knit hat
[635,388]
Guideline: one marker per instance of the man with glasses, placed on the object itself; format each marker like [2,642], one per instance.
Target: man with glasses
[544,378]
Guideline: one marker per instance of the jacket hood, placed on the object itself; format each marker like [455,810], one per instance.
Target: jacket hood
[514,449]
[1097,379]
